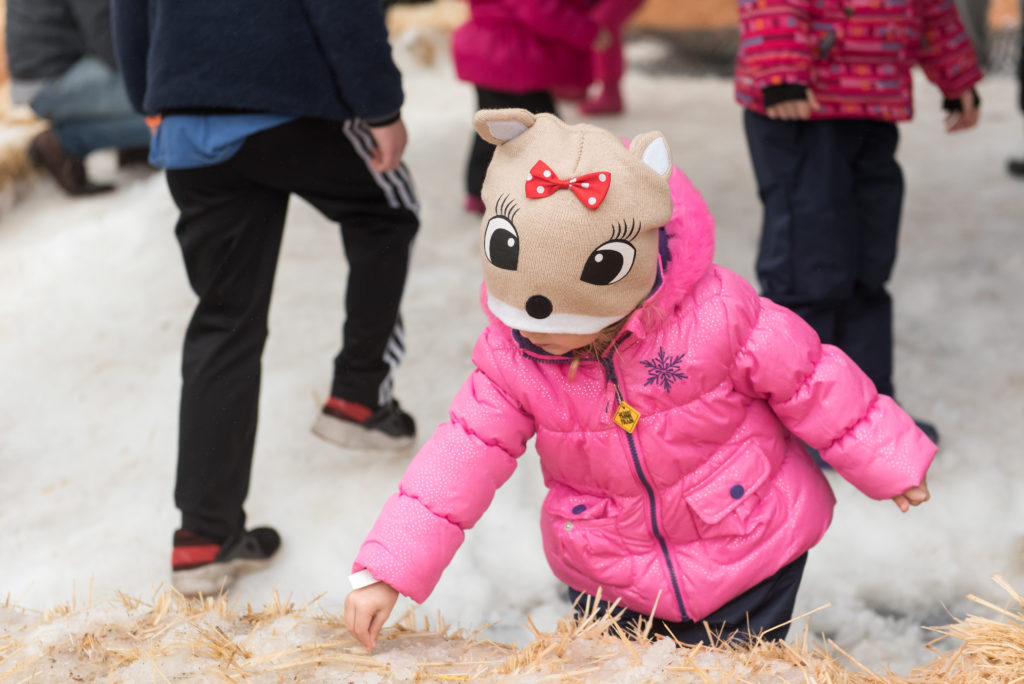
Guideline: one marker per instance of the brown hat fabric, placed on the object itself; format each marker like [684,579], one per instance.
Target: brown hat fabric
[570,234]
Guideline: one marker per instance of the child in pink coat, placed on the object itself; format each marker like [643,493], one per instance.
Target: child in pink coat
[516,52]
[669,402]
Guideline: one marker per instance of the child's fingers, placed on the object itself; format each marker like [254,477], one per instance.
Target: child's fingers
[812,100]
[349,621]
[791,110]
[376,623]
[358,618]
[917,495]
[377,160]
[362,627]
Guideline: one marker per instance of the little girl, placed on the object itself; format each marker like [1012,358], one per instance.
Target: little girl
[668,400]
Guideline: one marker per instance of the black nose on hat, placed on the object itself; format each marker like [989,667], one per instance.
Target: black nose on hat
[538,306]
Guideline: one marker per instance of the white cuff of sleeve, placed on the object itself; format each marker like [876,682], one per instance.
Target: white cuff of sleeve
[361,579]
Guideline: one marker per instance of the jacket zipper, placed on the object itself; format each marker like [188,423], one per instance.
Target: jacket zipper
[609,368]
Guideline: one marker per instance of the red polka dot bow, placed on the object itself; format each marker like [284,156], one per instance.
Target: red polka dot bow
[589,189]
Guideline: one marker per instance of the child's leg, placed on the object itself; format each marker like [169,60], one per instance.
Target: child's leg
[1015,165]
[832,193]
[608,66]
[230,231]
[807,254]
[822,184]
[327,165]
[761,608]
[480,155]
[865,330]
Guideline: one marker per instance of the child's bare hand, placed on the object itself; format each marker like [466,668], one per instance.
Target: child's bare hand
[366,611]
[967,116]
[389,143]
[794,110]
[915,496]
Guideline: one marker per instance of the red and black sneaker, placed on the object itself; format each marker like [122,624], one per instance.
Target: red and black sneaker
[357,426]
[200,566]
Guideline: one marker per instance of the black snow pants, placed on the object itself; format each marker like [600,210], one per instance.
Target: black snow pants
[230,228]
[481,152]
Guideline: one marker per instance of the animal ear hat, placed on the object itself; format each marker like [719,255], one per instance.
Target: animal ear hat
[570,234]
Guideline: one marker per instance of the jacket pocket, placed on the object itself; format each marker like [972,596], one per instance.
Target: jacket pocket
[584,529]
[723,501]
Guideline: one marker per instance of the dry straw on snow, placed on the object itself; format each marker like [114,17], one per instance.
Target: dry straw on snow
[174,639]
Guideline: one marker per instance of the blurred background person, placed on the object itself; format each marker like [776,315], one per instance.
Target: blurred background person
[517,53]
[1016,165]
[61,59]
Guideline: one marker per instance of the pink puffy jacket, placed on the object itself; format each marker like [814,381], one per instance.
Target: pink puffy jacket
[518,46]
[855,55]
[710,494]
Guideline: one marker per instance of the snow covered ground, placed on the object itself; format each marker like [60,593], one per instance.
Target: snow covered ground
[94,303]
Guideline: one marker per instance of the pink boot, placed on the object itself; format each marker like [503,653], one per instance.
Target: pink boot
[474,205]
[608,102]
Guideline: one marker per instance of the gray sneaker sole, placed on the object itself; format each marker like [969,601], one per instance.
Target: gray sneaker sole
[351,435]
[213,579]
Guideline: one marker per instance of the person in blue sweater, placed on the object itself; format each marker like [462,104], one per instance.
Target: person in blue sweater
[249,107]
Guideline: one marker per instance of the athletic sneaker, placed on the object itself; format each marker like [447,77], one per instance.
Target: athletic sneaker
[201,566]
[608,102]
[357,426]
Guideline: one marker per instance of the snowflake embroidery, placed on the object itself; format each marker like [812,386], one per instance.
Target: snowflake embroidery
[664,370]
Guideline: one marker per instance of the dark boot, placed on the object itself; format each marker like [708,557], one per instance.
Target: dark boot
[1015,167]
[133,156]
[45,150]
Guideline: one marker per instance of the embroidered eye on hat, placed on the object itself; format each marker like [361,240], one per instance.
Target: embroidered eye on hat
[570,233]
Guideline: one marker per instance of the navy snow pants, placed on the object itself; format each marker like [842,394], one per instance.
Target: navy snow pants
[763,607]
[230,229]
[832,193]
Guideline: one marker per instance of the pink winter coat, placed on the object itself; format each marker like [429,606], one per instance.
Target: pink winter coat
[710,494]
[518,46]
[856,55]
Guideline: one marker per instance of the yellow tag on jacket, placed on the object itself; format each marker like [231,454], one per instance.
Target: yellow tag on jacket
[626,417]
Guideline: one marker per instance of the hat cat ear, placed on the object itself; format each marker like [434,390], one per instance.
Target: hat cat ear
[652,148]
[498,126]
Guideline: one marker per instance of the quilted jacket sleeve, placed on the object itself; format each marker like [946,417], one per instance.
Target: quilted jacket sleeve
[776,41]
[826,400]
[449,484]
[946,53]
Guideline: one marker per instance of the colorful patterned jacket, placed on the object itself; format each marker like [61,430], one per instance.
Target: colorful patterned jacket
[710,493]
[855,55]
